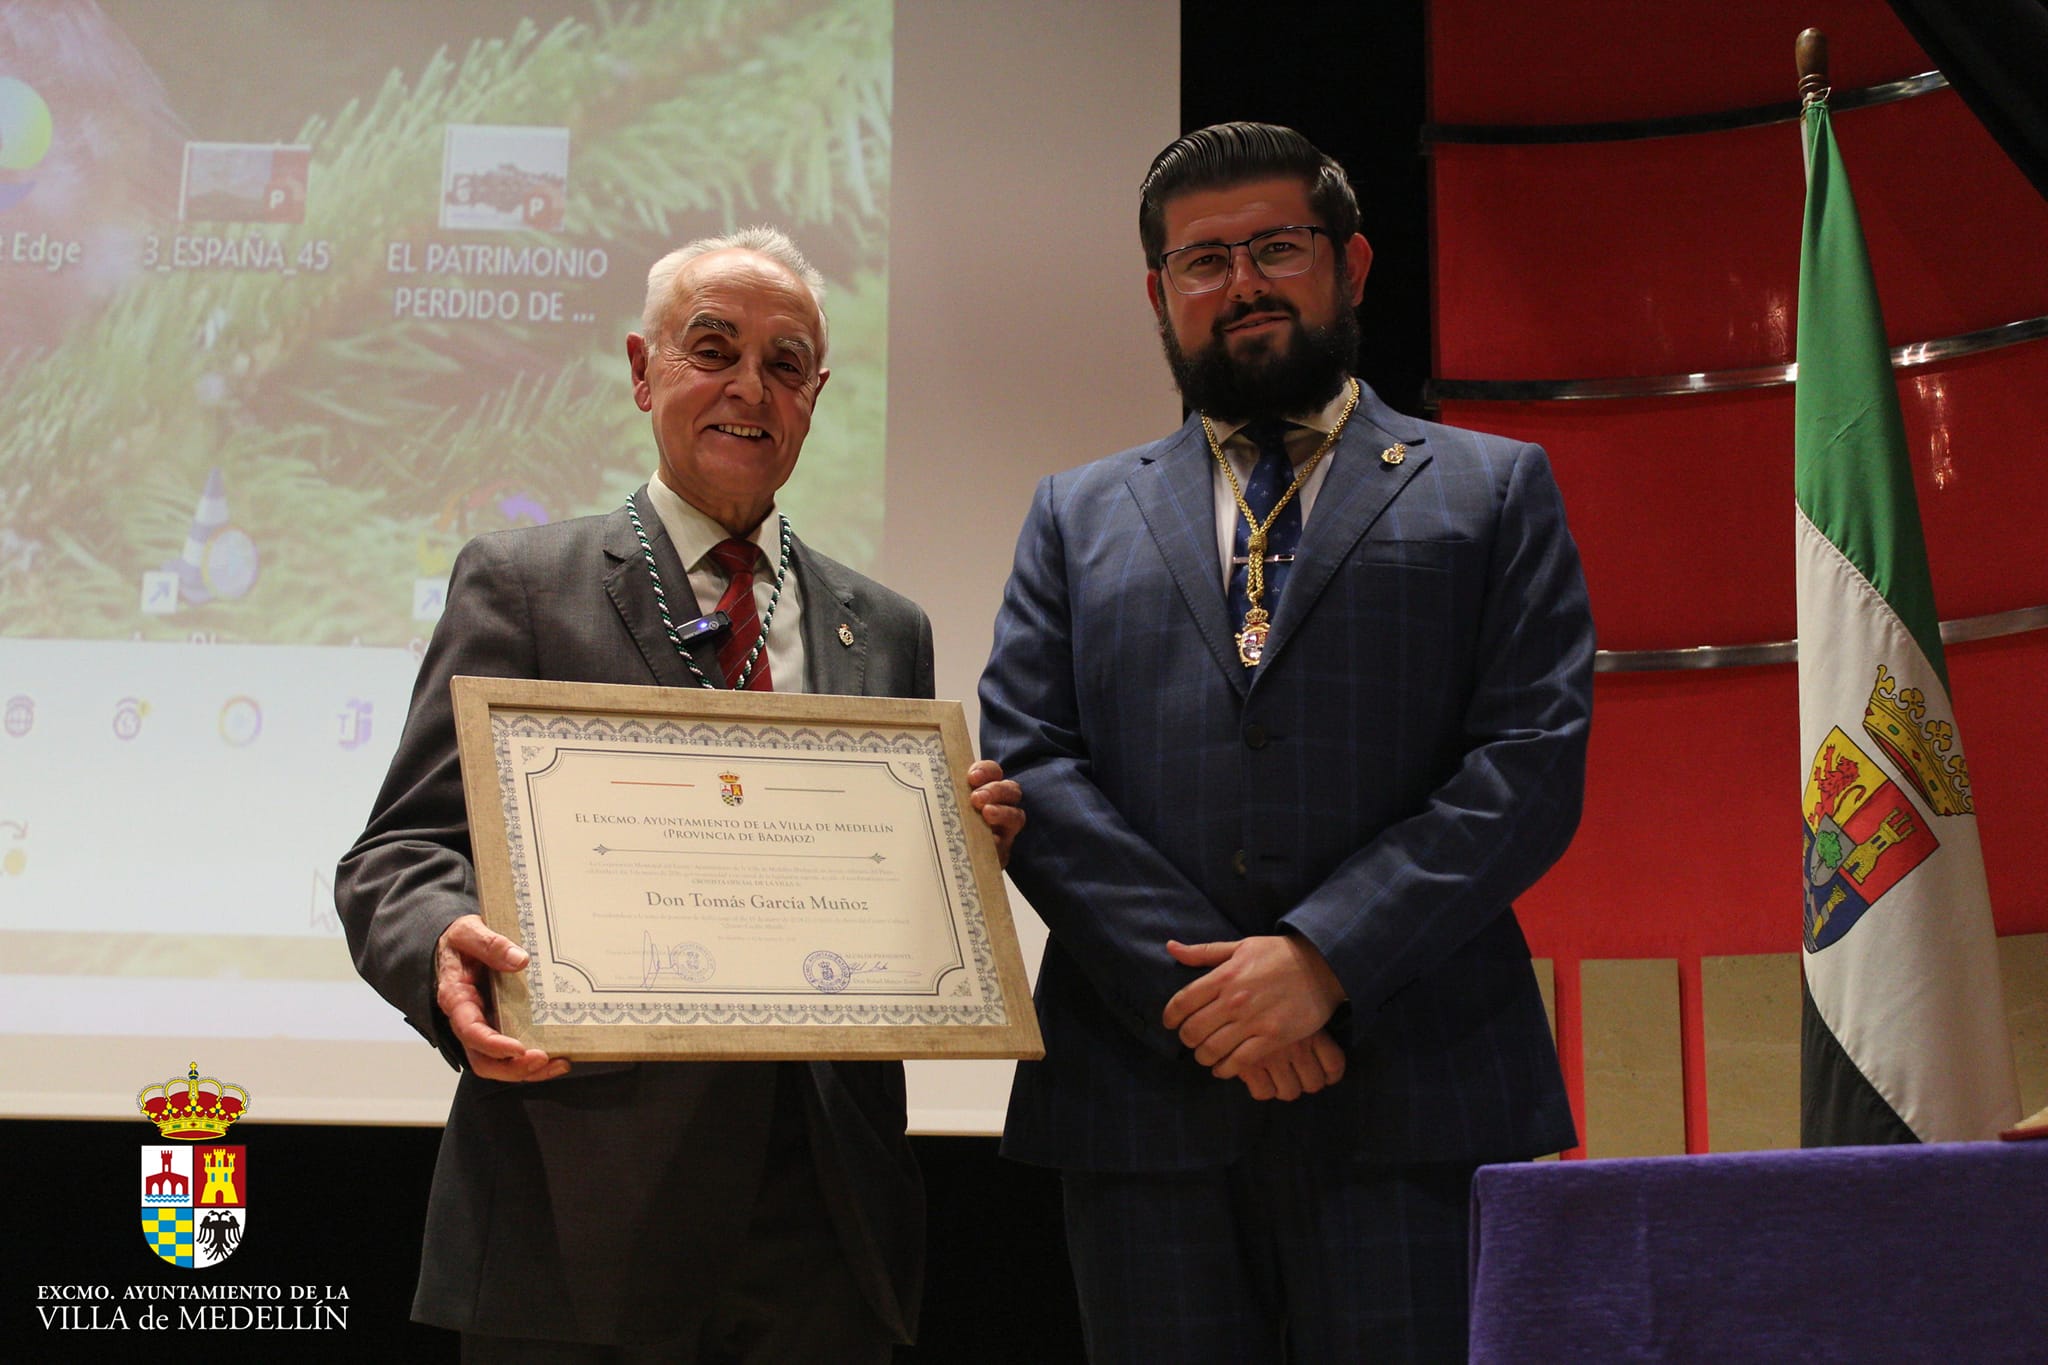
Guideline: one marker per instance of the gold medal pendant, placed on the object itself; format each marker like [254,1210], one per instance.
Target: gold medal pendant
[1251,641]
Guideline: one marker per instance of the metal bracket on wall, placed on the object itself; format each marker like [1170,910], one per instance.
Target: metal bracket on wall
[1912,355]
[1677,125]
[1959,631]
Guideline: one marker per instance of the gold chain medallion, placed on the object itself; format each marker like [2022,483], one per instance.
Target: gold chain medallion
[1251,639]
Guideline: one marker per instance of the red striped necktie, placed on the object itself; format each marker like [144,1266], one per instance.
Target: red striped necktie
[737,558]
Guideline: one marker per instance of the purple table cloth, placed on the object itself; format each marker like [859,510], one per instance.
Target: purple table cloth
[1862,1254]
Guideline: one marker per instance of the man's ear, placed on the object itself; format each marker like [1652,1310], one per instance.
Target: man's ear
[1357,265]
[1152,288]
[636,356]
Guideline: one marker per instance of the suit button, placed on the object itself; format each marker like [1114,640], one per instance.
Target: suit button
[1239,863]
[1255,735]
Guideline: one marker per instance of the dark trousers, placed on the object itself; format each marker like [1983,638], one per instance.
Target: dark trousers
[787,1297]
[1286,1256]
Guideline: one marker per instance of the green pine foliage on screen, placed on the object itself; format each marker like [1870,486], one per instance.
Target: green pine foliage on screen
[359,448]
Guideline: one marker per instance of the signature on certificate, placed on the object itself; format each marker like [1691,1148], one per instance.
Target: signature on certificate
[829,973]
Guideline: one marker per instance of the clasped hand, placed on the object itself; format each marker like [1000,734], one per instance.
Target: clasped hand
[1257,1014]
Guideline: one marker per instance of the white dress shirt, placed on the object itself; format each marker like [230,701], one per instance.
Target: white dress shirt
[695,535]
[1303,436]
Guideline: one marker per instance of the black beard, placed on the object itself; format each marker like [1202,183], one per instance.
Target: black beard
[1266,383]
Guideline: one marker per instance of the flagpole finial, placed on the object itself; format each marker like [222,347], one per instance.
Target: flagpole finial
[1811,53]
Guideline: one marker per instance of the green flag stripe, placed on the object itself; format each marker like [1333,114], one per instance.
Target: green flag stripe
[1850,469]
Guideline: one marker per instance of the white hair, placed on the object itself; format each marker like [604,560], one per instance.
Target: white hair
[763,240]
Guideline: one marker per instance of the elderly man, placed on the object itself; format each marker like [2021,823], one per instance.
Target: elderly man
[758,1212]
[1300,693]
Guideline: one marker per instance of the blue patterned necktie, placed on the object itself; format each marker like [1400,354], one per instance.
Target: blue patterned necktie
[1271,477]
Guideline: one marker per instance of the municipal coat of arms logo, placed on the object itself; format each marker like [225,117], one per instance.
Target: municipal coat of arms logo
[1863,833]
[195,1190]
[729,789]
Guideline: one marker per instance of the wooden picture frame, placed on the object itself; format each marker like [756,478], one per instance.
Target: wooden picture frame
[716,875]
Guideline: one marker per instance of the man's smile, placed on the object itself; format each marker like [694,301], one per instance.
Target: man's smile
[1255,322]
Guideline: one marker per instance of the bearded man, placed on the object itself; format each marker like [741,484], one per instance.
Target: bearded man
[1300,694]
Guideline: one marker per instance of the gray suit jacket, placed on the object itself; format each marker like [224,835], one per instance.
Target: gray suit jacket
[590,1208]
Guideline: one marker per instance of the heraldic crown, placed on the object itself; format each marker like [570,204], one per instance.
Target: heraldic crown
[1897,719]
[192,1108]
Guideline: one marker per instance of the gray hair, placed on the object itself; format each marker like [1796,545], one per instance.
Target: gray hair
[763,240]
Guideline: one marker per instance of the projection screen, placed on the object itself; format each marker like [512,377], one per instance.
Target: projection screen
[297,297]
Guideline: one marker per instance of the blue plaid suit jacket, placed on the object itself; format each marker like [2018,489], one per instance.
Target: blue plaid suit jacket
[1409,757]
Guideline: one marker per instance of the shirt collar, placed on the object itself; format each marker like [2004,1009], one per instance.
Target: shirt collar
[1321,421]
[694,534]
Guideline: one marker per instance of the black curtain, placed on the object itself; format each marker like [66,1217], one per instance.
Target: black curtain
[1367,114]
[1995,54]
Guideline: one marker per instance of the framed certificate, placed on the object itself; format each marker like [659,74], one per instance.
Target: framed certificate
[738,875]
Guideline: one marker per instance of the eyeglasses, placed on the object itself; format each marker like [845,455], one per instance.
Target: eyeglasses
[1205,267]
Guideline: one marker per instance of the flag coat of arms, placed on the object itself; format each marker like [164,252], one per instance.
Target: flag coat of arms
[1904,1036]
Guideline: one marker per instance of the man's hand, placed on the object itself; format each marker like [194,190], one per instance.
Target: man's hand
[1000,801]
[1260,995]
[468,951]
[1299,1069]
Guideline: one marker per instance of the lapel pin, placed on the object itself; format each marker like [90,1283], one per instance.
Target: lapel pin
[846,635]
[1393,454]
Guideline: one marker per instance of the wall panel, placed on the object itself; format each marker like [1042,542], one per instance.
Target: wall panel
[1565,256]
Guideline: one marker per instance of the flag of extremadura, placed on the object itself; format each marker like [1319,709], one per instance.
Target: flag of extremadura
[1905,1035]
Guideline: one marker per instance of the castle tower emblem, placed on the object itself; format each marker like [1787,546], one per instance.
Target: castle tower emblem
[220,1164]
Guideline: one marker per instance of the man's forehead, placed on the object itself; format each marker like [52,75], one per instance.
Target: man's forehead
[1217,213]
[726,290]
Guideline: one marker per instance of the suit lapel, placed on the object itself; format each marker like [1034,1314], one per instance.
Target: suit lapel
[1355,492]
[833,665]
[1173,492]
[631,589]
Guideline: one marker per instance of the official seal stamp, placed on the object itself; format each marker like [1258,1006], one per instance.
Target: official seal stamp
[827,972]
[691,962]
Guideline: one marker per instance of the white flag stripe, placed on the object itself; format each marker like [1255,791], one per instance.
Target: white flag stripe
[1911,990]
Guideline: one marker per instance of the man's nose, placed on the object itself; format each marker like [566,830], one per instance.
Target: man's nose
[748,382]
[1247,281]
